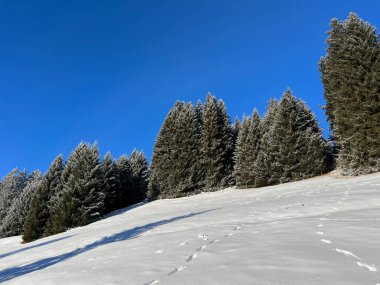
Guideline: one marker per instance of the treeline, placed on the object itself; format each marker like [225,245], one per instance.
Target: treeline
[198,149]
[70,194]
[351,78]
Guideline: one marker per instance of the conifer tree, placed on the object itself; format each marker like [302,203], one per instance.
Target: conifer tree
[124,194]
[265,158]
[13,223]
[110,183]
[140,175]
[352,95]
[10,188]
[247,149]
[82,199]
[176,165]
[217,147]
[297,144]
[39,216]
[235,132]
[163,155]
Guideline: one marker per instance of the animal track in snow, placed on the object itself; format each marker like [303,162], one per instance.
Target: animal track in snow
[371,268]
[201,247]
[347,253]
[236,228]
[175,270]
[203,236]
[155,281]
[191,257]
[184,243]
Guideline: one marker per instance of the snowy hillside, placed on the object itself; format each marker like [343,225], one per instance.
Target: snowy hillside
[318,231]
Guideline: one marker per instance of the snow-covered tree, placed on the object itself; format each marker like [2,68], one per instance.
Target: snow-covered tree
[176,165]
[297,148]
[13,223]
[163,155]
[110,183]
[124,195]
[82,199]
[217,144]
[350,75]
[10,188]
[140,175]
[247,150]
[38,221]
[265,158]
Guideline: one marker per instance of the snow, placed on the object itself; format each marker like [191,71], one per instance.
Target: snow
[269,235]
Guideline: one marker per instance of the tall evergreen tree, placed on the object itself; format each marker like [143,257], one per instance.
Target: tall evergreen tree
[217,145]
[297,145]
[83,199]
[265,157]
[140,176]
[10,188]
[13,223]
[247,150]
[124,194]
[352,95]
[110,183]
[38,219]
[176,165]
[163,155]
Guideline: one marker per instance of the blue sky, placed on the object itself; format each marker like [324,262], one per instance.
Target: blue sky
[110,70]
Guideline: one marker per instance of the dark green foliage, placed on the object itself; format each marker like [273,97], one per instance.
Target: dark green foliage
[235,131]
[247,150]
[176,167]
[39,217]
[265,158]
[350,75]
[292,146]
[217,145]
[110,183]
[298,145]
[139,177]
[82,199]
[124,194]
[163,155]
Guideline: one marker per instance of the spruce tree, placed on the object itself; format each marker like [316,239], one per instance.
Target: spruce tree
[140,176]
[110,183]
[176,165]
[82,200]
[352,95]
[265,157]
[124,194]
[39,216]
[247,150]
[10,189]
[13,223]
[217,145]
[163,155]
[298,147]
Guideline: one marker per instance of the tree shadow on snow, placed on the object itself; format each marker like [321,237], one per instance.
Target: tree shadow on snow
[17,271]
[33,246]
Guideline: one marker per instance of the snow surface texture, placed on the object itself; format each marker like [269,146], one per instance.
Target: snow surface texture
[318,231]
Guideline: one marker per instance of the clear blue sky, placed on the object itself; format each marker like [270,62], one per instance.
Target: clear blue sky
[110,70]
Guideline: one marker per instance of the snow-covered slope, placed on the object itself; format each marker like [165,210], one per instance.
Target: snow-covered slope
[318,231]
